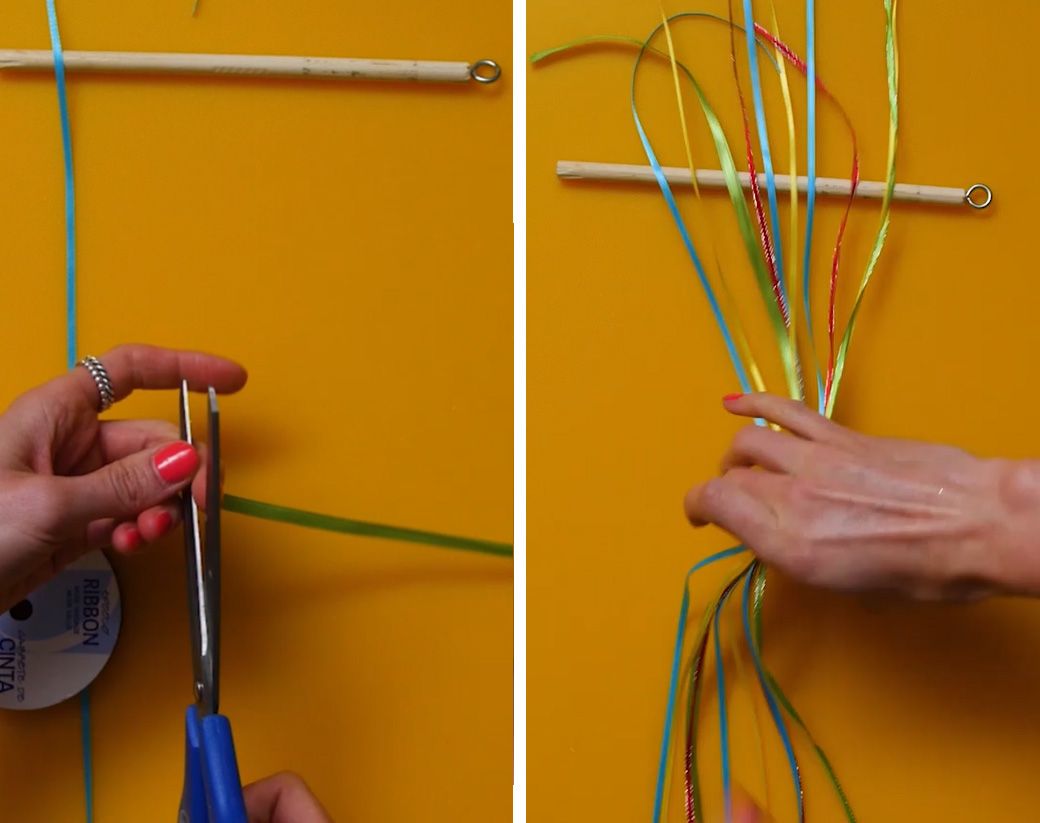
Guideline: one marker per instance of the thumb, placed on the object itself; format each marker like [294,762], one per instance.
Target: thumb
[283,798]
[125,488]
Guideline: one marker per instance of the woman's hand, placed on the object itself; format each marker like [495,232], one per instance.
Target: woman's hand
[848,511]
[283,798]
[70,483]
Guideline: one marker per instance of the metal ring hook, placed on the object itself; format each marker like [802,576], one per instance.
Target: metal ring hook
[978,204]
[495,71]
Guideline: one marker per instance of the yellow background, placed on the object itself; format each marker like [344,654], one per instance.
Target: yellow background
[929,713]
[351,244]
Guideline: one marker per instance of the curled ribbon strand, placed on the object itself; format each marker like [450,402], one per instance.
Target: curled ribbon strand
[892,68]
[730,306]
[854,176]
[764,232]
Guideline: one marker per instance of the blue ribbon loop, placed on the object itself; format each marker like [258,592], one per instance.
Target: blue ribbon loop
[810,192]
[71,344]
[70,188]
[691,250]
[673,685]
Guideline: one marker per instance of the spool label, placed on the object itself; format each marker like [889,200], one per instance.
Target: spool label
[56,641]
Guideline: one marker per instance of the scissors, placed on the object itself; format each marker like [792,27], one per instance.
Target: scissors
[212,787]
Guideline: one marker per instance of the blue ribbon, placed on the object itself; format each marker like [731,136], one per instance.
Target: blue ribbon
[673,208]
[71,340]
[774,709]
[763,140]
[673,685]
[70,189]
[810,193]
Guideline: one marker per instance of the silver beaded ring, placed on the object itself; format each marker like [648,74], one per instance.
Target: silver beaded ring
[101,380]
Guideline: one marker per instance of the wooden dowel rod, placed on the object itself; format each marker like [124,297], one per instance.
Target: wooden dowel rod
[430,71]
[710,178]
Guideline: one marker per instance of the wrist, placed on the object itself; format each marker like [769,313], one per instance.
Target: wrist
[1012,557]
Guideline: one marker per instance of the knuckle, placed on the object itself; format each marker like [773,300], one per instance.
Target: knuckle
[119,351]
[798,497]
[167,431]
[712,495]
[737,476]
[127,486]
[290,781]
[745,438]
[765,400]
[793,406]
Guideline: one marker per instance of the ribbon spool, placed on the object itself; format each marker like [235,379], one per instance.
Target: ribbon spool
[54,643]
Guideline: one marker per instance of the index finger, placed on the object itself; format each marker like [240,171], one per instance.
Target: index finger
[792,415]
[137,366]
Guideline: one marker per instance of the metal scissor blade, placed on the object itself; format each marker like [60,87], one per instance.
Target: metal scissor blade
[193,563]
[212,567]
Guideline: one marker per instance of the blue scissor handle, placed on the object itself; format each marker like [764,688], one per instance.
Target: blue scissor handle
[212,787]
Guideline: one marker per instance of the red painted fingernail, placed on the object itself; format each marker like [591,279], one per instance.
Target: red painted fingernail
[133,539]
[176,462]
[727,398]
[163,521]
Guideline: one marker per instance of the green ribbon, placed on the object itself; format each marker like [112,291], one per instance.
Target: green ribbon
[892,65]
[758,588]
[361,528]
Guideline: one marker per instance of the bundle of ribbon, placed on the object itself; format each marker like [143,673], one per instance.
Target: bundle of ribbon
[775,270]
